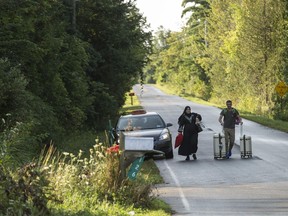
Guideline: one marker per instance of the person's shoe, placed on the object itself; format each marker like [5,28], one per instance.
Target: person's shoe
[187,158]
[230,153]
[194,156]
[227,155]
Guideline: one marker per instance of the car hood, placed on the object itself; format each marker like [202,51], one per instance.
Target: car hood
[145,133]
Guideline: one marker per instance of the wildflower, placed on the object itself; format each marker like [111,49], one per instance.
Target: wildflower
[83,176]
[86,161]
[96,146]
[91,151]
[131,213]
[100,155]
[46,167]
[80,153]
[112,149]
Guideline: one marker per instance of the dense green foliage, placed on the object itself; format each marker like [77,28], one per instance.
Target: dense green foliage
[65,65]
[230,49]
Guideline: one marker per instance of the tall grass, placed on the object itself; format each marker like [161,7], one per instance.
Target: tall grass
[67,184]
[95,183]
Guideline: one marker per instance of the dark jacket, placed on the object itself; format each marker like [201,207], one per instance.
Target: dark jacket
[190,134]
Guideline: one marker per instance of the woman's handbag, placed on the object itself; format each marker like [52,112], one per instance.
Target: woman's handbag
[178,140]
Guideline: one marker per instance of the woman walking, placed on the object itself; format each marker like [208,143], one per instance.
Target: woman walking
[188,126]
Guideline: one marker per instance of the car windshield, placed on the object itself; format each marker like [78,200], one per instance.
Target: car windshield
[140,123]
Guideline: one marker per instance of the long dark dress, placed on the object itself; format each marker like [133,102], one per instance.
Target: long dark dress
[190,135]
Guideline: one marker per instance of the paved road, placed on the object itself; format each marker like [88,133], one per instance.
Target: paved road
[256,186]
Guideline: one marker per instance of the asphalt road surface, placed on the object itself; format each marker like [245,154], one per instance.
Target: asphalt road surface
[253,186]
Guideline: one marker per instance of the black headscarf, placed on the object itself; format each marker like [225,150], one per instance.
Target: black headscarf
[182,117]
[184,112]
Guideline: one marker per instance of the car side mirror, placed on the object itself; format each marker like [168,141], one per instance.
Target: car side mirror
[169,124]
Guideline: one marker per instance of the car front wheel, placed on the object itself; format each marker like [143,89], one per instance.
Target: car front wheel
[169,155]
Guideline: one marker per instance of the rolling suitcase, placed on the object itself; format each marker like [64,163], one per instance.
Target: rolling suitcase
[245,144]
[219,146]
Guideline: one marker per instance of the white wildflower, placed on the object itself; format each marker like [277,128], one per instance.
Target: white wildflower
[132,213]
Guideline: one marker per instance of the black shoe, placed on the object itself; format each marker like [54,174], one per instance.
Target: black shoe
[187,158]
[194,156]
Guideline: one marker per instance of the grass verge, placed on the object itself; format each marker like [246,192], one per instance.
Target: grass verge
[265,121]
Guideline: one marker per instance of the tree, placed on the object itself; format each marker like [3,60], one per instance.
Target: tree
[244,48]
[118,49]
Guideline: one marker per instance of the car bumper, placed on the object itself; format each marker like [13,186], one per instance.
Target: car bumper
[164,146]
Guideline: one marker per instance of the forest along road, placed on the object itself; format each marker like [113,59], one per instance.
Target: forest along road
[207,186]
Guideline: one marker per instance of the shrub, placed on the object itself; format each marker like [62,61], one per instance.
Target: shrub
[23,193]
[64,184]
[96,179]
[17,146]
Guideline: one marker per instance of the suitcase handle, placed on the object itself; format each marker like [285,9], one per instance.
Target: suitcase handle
[241,130]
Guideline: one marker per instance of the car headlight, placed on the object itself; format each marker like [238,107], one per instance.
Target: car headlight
[164,135]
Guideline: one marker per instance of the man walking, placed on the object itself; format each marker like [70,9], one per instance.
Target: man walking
[228,118]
